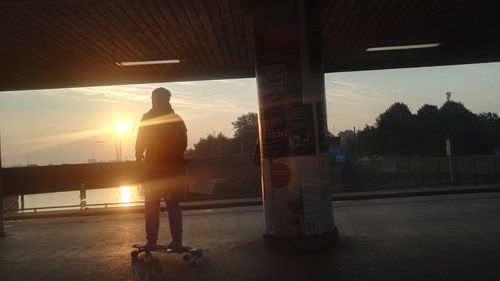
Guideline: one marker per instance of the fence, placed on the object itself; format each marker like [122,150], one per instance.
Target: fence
[210,178]
[229,177]
[407,172]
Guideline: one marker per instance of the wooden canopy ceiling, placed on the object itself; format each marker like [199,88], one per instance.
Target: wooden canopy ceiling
[68,43]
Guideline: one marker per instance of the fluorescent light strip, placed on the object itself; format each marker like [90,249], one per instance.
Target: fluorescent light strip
[146,62]
[403,47]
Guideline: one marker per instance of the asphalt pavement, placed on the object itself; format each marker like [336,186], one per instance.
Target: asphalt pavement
[441,237]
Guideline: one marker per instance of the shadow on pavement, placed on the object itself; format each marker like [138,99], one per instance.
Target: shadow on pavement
[418,258]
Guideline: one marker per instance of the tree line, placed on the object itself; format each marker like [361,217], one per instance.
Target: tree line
[399,132]
[246,131]
[396,132]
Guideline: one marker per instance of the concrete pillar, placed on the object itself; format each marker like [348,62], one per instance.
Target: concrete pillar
[292,125]
[2,233]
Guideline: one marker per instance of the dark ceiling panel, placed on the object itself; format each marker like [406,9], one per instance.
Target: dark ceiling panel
[70,43]
[220,32]
[204,39]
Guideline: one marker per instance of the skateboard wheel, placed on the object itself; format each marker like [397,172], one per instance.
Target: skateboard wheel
[134,254]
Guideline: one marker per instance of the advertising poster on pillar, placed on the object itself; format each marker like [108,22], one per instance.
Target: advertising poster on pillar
[301,130]
[274,132]
[318,213]
[300,196]
[287,123]
[288,206]
[279,79]
[288,132]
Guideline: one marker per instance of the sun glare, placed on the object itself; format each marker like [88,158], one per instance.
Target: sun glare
[125,194]
[123,127]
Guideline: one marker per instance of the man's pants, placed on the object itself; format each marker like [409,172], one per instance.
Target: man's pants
[166,182]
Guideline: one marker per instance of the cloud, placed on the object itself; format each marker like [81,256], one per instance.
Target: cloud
[486,69]
[229,81]
[350,93]
[34,144]
[188,83]
[195,100]
[111,94]
[141,93]
[207,102]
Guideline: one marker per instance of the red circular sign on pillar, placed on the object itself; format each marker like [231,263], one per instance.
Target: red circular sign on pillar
[280,175]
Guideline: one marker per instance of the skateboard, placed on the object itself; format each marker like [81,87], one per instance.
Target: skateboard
[148,264]
[190,255]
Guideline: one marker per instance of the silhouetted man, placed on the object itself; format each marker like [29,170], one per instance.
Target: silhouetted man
[162,137]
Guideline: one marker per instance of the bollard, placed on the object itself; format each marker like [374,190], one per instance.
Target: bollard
[83,197]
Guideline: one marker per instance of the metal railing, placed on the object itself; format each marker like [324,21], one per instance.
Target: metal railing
[83,206]
[75,207]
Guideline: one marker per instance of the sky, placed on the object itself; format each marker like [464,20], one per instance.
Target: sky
[73,125]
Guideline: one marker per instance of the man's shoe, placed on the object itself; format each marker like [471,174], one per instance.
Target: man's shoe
[151,246]
[175,246]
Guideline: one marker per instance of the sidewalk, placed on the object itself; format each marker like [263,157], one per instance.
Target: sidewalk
[445,237]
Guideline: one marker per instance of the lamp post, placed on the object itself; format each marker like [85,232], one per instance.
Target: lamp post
[97,149]
[118,148]
[121,128]
[448,153]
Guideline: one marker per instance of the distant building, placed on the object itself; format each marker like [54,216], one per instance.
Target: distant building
[333,141]
[92,160]
[346,136]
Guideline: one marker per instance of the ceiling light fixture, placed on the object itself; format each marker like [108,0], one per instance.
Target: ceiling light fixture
[146,62]
[403,47]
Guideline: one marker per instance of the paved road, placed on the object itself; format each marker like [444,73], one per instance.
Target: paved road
[448,237]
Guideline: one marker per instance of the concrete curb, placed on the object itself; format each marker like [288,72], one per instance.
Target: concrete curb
[401,194]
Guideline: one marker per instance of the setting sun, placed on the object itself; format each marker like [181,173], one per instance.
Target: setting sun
[123,127]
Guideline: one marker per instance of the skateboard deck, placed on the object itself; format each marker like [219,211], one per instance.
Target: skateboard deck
[147,265]
[190,254]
